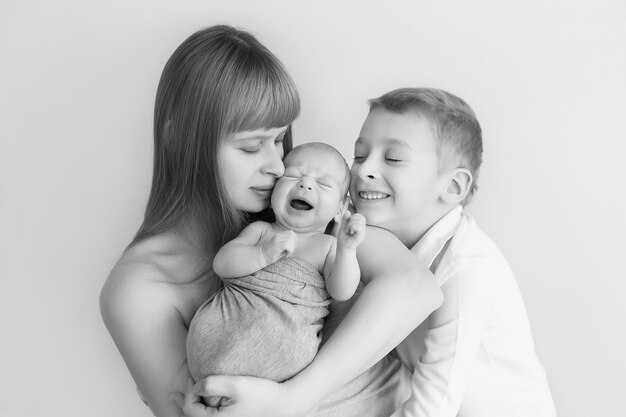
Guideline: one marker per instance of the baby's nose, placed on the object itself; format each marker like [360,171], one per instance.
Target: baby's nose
[305,184]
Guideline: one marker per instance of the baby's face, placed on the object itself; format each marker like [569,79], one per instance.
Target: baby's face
[310,193]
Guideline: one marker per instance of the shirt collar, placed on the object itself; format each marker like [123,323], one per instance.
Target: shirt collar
[430,245]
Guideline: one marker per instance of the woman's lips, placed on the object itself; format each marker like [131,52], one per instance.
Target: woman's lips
[263,191]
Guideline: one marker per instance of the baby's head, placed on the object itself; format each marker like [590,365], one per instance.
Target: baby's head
[417,157]
[312,190]
[457,133]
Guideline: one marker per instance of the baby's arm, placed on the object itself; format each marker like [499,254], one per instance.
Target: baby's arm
[341,269]
[252,250]
[452,341]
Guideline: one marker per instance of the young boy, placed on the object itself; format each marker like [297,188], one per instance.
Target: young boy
[267,319]
[416,162]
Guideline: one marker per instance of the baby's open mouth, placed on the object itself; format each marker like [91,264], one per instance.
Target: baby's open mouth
[300,204]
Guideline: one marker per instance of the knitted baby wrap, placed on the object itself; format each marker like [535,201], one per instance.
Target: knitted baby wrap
[267,324]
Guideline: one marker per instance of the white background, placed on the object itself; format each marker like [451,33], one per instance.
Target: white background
[547,80]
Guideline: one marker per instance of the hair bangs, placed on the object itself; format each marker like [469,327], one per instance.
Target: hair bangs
[263,99]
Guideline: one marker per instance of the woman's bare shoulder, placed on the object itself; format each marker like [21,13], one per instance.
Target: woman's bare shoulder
[150,277]
[135,284]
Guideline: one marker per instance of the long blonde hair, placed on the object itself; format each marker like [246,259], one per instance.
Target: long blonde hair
[219,81]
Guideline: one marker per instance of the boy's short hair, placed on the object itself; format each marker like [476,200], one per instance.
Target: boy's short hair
[457,131]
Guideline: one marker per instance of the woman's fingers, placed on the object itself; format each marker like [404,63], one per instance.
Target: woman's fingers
[216,386]
[178,399]
[193,405]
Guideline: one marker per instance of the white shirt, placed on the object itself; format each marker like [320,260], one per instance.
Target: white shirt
[474,356]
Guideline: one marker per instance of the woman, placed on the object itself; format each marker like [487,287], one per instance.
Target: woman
[223,110]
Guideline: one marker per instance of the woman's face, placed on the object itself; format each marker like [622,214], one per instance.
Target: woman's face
[250,162]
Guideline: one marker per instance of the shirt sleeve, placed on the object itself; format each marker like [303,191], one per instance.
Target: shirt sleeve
[451,344]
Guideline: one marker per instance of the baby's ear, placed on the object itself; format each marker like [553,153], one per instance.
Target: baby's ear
[343,206]
[458,186]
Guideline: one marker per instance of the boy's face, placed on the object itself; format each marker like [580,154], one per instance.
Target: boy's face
[309,194]
[395,182]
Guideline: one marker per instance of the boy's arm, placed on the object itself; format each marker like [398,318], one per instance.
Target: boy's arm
[400,295]
[452,341]
[341,269]
[247,253]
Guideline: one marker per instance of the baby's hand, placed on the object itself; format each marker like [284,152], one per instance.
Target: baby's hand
[352,230]
[281,244]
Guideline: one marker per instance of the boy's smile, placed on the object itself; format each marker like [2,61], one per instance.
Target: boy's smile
[372,195]
[395,180]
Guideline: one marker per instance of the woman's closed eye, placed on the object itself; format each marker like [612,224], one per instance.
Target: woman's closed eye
[251,146]
[251,149]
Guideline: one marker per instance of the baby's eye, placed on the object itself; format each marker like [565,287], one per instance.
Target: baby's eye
[392,159]
[359,158]
[325,184]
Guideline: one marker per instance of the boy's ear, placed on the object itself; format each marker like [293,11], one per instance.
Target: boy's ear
[458,186]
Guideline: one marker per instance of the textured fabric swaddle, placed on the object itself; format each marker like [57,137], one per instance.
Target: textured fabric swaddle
[267,324]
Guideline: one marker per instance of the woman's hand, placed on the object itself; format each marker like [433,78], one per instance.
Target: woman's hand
[191,404]
[242,396]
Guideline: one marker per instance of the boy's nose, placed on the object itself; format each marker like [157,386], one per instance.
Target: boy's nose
[368,172]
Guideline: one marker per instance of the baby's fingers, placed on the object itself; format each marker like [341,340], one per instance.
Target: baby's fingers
[356,223]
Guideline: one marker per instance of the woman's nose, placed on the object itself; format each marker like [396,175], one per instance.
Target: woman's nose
[274,165]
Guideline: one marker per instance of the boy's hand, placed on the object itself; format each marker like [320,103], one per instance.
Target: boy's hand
[281,244]
[352,231]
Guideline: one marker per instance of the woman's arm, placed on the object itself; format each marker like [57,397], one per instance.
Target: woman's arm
[149,332]
[400,295]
